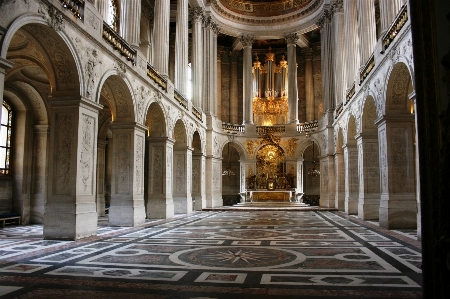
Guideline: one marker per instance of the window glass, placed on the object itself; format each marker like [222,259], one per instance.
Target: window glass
[5,138]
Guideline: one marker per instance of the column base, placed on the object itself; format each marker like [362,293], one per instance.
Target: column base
[182,205]
[160,208]
[127,215]
[398,211]
[368,211]
[351,205]
[70,221]
[199,202]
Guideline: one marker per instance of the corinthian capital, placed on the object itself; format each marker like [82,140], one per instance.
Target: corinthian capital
[247,40]
[291,38]
[325,18]
[196,14]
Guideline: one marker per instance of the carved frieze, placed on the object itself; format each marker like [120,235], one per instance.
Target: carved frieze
[87,153]
[157,169]
[63,153]
[139,165]
[123,163]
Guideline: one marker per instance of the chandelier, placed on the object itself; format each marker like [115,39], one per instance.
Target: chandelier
[313,172]
[228,172]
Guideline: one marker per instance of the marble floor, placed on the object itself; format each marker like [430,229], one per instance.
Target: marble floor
[205,255]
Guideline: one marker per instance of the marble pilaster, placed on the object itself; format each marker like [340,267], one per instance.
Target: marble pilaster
[182,165]
[369,176]
[398,204]
[351,182]
[160,201]
[161,37]
[198,181]
[127,188]
[291,41]
[326,39]
[70,210]
[101,161]
[327,181]
[39,182]
[213,180]
[339,172]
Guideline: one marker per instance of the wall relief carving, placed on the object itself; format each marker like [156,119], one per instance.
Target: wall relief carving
[87,152]
[63,147]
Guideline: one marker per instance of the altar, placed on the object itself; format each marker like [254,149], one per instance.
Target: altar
[270,196]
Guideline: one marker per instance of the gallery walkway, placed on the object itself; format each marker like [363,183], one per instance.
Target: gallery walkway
[265,254]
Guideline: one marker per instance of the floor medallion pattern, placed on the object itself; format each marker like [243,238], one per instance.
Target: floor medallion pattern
[256,255]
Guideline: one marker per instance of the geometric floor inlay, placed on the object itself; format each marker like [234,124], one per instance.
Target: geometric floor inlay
[239,255]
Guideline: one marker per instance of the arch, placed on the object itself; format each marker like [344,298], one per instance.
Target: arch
[351,131]
[60,60]
[180,135]
[398,88]
[118,92]
[156,121]
[304,144]
[369,115]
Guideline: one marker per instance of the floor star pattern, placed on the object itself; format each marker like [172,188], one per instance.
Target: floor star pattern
[244,254]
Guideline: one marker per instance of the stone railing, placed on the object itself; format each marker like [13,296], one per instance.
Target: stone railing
[230,128]
[339,109]
[76,7]
[307,126]
[115,40]
[181,99]
[153,74]
[368,67]
[350,93]
[197,113]
[262,130]
[395,27]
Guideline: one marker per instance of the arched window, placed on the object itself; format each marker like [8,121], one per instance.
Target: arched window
[113,17]
[5,138]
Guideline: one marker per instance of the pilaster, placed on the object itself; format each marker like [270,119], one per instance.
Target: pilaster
[70,210]
[101,167]
[127,188]
[160,201]
[339,172]
[327,182]
[199,181]
[351,179]
[291,41]
[247,42]
[182,199]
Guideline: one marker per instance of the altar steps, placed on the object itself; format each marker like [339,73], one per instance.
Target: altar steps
[270,206]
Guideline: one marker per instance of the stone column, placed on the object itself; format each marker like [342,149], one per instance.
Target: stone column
[369,176]
[197,56]
[130,19]
[366,29]
[103,8]
[352,61]
[161,37]
[210,67]
[101,164]
[127,187]
[309,85]
[219,85]
[339,172]
[198,181]
[388,11]
[291,41]
[326,39]
[339,36]
[40,173]
[160,159]
[234,93]
[181,46]
[351,179]
[398,204]
[247,42]
[182,198]
[70,210]
[327,181]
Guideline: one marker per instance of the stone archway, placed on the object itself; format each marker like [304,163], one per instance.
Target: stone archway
[396,135]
